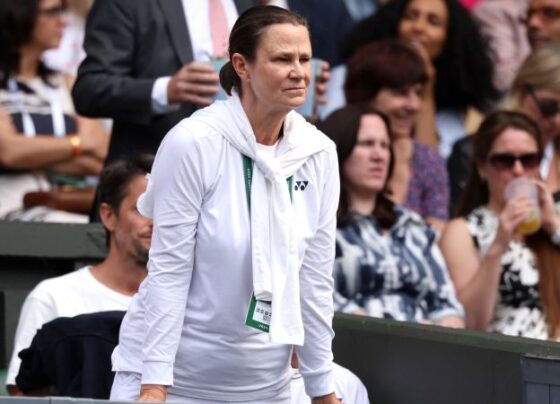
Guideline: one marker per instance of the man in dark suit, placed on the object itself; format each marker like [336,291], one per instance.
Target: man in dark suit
[130,44]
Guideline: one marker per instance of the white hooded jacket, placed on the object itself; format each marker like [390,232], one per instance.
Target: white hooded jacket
[190,311]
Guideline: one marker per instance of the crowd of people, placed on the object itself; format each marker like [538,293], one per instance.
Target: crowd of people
[256,223]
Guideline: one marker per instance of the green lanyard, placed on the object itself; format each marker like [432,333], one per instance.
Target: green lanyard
[259,312]
[248,171]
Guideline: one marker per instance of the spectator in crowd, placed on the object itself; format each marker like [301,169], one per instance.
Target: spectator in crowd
[329,21]
[391,77]
[388,263]
[501,24]
[70,53]
[40,134]
[146,65]
[543,22]
[511,26]
[108,285]
[509,283]
[225,237]
[535,92]
[457,61]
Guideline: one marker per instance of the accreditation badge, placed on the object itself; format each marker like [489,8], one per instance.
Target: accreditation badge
[259,314]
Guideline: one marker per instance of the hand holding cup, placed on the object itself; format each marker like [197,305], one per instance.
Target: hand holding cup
[526,188]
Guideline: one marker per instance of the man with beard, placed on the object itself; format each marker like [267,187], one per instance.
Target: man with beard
[108,285]
[543,22]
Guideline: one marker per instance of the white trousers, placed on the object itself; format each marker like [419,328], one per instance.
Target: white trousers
[126,387]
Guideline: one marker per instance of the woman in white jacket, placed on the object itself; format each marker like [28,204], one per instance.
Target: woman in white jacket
[244,196]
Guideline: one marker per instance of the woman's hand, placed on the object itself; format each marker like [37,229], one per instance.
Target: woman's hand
[451,322]
[153,393]
[426,131]
[94,139]
[321,83]
[428,64]
[514,213]
[549,217]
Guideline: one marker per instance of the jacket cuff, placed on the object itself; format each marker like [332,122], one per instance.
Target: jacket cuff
[319,385]
[157,373]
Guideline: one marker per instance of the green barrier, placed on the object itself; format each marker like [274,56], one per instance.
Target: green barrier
[31,252]
[402,363]
[3,391]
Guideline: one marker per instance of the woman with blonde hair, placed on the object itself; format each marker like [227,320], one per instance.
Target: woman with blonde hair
[536,92]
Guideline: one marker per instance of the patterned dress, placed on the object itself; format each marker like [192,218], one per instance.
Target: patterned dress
[518,308]
[396,275]
[428,192]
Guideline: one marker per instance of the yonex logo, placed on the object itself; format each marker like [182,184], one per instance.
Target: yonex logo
[301,185]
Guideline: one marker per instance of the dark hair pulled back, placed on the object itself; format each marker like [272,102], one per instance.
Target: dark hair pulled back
[246,35]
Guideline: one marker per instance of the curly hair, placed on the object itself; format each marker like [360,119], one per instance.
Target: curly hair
[464,67]
[17,21]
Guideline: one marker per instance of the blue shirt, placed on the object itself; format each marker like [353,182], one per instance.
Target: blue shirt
[398,275]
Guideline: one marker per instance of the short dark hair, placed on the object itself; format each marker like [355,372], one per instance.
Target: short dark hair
[476,192]
[116,177]
[17,21]
[246,35]
[342,127]
[388,63]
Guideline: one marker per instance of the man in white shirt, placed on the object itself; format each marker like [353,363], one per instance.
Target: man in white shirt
[103,287]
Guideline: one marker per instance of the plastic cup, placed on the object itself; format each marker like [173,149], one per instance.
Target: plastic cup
[526,187]
[217,64]
[307,108]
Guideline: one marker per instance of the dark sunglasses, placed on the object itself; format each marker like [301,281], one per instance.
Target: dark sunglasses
[506,161]
[56,11]
[547,107]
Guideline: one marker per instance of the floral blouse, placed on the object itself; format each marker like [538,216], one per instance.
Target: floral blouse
[518,308]
[398,275]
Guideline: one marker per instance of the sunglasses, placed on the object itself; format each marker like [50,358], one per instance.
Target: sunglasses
[547,107]
[506,161]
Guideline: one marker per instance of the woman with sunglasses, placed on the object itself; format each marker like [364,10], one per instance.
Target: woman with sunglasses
[536,92]
[508,283]
[43,142]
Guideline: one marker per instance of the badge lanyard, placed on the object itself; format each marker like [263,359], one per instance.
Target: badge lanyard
[59,126]
[260,311]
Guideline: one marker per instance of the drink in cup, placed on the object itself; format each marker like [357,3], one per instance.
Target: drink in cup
[217,64]
[524,186]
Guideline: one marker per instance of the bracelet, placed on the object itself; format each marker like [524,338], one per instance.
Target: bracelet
[555,237]
[75,142]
